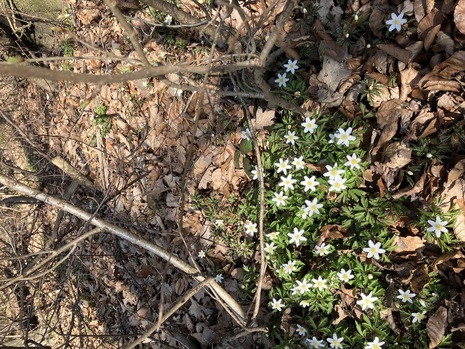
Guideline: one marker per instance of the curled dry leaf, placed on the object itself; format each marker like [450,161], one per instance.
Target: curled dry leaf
[422,8]
[445,41]
[430,21]
[459,16]
[436,327]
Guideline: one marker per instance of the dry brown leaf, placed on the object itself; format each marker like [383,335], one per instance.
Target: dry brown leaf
[417,188]
[419,10]
[263,119]
[459,16]
[459,227]
[414,48]
[456,172]
[445,41]
[454,64]
[407,75]
[331,231]
[398,155]
[390,112]
[387,133]
[436,327]
[386,314]
[341,314]
[395,51]
[431,20]
[420,278]
[408,243]
[430,35]
[430,129]
[451,193]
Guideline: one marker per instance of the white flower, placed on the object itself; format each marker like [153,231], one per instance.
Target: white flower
[333,172]
[283,166]
[168,19]
[353,161]
[279,198]
[219,278]
[255,173]
[287,182]
[289,267]
[309,125]
[272,236]
[406,296]
[374,250]
[282,80]
[301,287]
[376,344]
[396,21]
[178,92]
[322,250]
[201,254]
[304,303]
[315,343]
[438,226]
[337,183]
[345,276]
[335,342]
[277,304]
[310,183]
[291,66]
[331,138]
[367,301]
[297,237]
[418,317]
[344,137]
[250,228]
[269,247]
[246,134]
[313,207]
[299,163]
[301,331]
[320,283]
[291,137]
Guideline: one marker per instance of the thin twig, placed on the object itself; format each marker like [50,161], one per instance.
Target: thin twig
[129,30]
[170,312]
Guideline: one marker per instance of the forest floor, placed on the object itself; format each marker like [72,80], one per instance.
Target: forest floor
[164,163]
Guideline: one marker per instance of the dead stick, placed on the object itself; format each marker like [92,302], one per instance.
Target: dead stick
[128,236]
[30,71]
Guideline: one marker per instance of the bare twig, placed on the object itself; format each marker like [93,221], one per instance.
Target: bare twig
[129,30]
[210,29]
[170,312]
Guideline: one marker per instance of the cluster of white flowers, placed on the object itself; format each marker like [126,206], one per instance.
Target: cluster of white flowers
[334,342]
[291,67]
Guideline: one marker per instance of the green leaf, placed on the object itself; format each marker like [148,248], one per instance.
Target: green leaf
[245,146]
[247,166]
[237,155]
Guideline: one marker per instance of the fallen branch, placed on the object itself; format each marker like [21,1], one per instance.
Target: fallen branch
[135,239]
[29,71]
